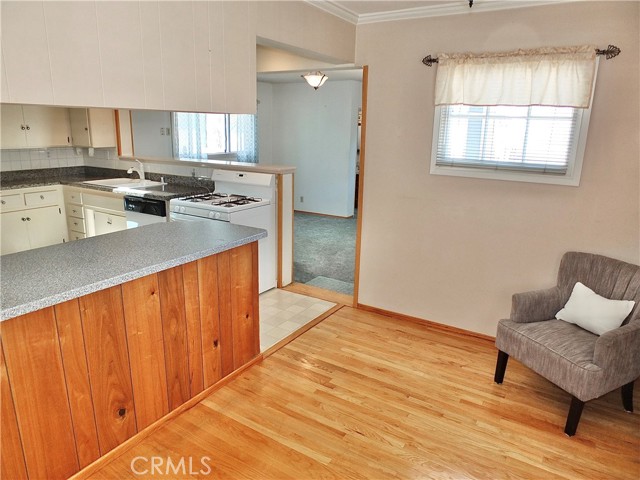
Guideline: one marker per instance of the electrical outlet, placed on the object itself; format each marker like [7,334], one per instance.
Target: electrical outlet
[161,130]
[301,199]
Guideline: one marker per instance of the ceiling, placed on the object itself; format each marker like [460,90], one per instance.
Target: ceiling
[293,76]
[372,11]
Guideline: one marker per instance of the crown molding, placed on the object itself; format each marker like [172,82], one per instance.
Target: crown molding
[335,10]
[459,7]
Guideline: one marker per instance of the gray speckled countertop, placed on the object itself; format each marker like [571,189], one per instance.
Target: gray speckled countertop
[177,186]
[42,277]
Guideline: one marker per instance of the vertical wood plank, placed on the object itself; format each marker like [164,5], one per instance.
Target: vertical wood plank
[194,333]
[74,360]
[109,370]
[209,320]
[34,368]
[141,302]
[242,307]
[12,464]
[225,292]
[174,327]
[255,286]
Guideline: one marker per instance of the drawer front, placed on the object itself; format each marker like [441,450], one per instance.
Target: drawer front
[76,236]
[75,224]
[39,199]
[10,201]
[74,210]
[71,196]
[108,203]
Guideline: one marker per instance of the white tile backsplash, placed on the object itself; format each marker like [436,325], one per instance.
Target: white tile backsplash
[36,158]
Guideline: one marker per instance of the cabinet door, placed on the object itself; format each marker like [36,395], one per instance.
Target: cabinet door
[46,126]
[102,127]
[14,236]
[79,127]
[46,226]
[12,134]
[108,223]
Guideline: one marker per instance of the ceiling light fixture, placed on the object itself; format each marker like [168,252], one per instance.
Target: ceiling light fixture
[315,79]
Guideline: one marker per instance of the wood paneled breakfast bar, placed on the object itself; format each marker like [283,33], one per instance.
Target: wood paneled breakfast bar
[102,337]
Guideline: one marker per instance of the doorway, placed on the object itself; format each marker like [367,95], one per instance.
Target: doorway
[318,132]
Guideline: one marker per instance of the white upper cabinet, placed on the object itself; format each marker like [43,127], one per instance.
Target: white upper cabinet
[164,55]
[93,127]
[152,59]
[121,54]
[202,56]
[178,52]
[26,126]
[25,53]
[239,67]
[74,53]
[216,55]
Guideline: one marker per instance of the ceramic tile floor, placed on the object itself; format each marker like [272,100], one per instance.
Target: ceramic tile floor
[282,313]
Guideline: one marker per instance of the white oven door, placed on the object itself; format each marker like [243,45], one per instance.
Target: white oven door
[181,217]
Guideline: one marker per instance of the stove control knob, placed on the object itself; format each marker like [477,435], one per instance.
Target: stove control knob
[211,215]
[183,209]
[176,208]
[218,215]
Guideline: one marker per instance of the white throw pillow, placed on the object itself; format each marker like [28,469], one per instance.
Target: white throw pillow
[592,312]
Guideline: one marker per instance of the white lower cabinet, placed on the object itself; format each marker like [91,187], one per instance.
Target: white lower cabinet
[91,213]
[108,222]
[41,225]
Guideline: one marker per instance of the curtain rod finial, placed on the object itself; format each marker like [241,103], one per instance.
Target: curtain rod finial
[610,52]
[429,60]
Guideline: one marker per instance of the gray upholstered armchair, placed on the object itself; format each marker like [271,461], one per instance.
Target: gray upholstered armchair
[583,364]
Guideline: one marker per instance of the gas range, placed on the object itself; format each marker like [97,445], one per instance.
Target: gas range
[206,205]
[255,206]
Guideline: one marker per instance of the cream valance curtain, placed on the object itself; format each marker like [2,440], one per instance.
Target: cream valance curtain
[560,76]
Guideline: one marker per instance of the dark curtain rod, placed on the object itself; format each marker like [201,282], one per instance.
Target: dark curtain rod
[610,52]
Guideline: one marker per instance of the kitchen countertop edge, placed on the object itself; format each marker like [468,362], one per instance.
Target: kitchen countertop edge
[237,236]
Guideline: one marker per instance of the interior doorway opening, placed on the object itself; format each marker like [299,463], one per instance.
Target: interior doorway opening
[319,133]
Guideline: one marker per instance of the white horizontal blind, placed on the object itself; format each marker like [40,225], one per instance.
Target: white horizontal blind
[532,139]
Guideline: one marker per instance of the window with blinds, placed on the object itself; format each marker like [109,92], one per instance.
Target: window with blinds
[505,141]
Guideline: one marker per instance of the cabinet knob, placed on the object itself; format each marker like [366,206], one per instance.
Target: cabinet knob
[22,127]
[28,127]
[24,219]
[41,197]
[28,219]
[3,202]
[109,221]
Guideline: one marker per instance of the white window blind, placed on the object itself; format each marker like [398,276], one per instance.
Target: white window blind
[532,139]
[521,115]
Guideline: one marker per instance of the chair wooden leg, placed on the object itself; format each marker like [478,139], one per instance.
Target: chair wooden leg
[575,410]
[627,397]
[501,366]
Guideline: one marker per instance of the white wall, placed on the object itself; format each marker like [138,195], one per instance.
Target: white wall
[454,250]
[150,137]
[265,121]
[315,131]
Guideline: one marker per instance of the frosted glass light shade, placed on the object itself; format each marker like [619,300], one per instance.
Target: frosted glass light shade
[315,79]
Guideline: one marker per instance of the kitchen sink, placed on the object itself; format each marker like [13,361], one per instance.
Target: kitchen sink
[124,182]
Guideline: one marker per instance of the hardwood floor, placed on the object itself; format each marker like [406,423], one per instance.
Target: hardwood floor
[362,395]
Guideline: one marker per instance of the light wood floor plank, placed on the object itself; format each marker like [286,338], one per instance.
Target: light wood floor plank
[363,395]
